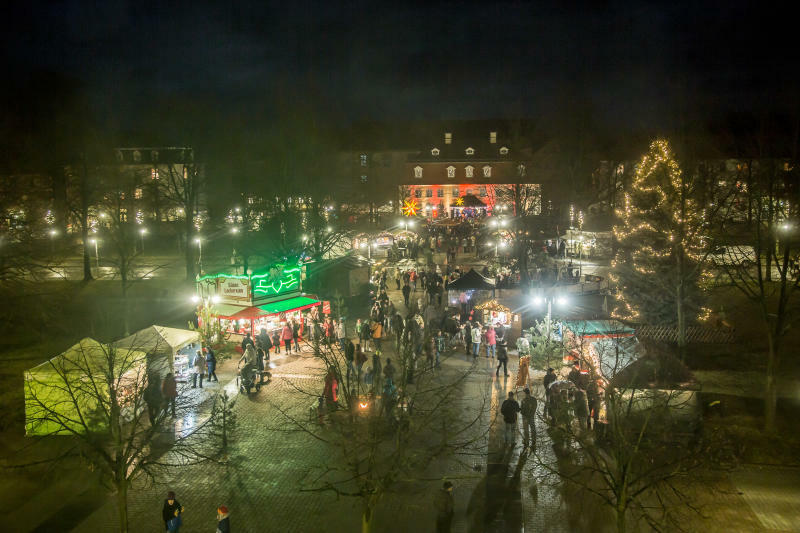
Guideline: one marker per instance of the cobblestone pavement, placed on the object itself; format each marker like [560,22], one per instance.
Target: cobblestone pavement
[497,489]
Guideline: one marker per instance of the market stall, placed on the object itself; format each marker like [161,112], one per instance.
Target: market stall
[168,349]
[469,289]
[64,394]
[493,313]
[601,347]
[268,298]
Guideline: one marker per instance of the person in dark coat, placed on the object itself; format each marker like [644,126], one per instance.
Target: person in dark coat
[502,356]
[468,337]
[169,391]
[152,397]
[260,363]
[223,521]
[247,340]
[211,364]
[296,334]
[575,375]
[445,508]
[406,293]
[171,509]
[548,380]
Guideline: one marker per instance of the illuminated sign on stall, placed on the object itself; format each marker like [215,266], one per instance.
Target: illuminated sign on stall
[276,282]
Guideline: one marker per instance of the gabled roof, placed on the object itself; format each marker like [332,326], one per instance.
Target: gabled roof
[471,281]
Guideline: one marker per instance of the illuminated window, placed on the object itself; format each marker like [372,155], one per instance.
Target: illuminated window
[487,171]
[469,171]
[123,215]
[451,172]
[363,160]
[428,193]
[417,172]
[153,173]
[137,156]
[455,191]
[470,151]
[137,193]
[493,137]
[363,178]
[435,152]
[440,193]
[418,193]
[503,151]
[521,170]
[448,138]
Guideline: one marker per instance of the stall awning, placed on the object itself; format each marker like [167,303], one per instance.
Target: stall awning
[292,304]
[228,310]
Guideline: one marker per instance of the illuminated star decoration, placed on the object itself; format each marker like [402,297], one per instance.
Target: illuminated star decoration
[410,208]
[459,201]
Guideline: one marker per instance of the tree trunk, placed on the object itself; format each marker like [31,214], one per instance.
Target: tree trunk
[122,506]
[366,519]
[87,260]
[189,253]
[770,388]
[620,520]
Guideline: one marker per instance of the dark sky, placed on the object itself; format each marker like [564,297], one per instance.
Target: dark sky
[237,64]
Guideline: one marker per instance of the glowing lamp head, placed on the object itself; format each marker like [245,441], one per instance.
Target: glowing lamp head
[53,233]
[234,230]
[195,299]
[197,240]
[538,300]
[215,299]
[562,300]
[143,231]
[363,405]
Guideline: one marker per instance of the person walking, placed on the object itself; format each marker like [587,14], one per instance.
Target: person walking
[152,397]
[349,356]
[491,342]
[468,337]
[509,410]
[528,412]
[397,278]
[263,341]
[377,370]
[199,366]
[341,334]
[548,380]
[169,391]
[476,340]
[171,513]
[580,406]
[441,344]
[389,370]
[211,364]
[286,337]
[502,357]
[296,335]
[377,334]
[223,520]
[445,508]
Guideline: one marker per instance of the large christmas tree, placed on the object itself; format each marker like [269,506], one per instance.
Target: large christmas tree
[660,244]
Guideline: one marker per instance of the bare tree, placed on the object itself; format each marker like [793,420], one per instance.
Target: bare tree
[767,275]
[385,432]
[182,187]
[102,401]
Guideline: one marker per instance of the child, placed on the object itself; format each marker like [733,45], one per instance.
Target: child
[276,341]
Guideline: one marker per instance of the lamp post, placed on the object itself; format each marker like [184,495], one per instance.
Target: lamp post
[96,253]
[53,234]
[560,301]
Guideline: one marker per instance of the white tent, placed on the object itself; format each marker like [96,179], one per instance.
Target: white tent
[161,344]
[67,391]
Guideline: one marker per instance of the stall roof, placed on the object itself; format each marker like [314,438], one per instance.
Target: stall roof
[292,304]
[159,339]
[471,281]
[297,303]
[599,328]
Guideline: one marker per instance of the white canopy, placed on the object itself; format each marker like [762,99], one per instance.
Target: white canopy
[161,344]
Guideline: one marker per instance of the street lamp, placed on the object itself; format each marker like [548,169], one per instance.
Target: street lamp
[560,300]
[234,230]
[96,252]
[142,232]
[199,242]
[53,234]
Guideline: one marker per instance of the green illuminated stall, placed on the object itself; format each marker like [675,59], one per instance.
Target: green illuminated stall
[264,299]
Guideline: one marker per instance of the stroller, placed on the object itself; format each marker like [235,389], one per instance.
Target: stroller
[248,379]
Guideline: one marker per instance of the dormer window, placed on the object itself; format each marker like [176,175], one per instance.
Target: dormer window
[448,138]
[521,172]
[504,151]
[451,171]
[137,156]
[120,156]
[469,171]
[417,172]
[493,137]
[363,158]
[470,151]
[435,152]
[487,171]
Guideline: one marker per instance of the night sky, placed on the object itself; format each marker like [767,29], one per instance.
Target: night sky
[238,64]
